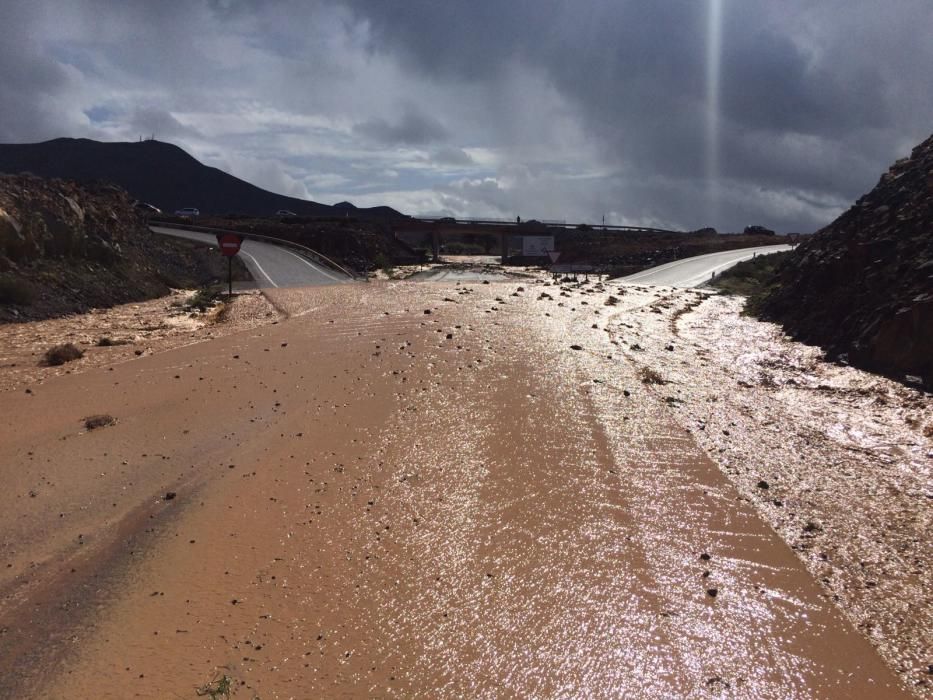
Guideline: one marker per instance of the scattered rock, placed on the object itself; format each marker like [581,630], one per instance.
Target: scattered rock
[98,421]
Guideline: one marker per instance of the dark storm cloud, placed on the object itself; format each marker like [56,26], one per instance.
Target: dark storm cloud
[636,73]
[452,156]
[548,108]
[410,129]
[30,82]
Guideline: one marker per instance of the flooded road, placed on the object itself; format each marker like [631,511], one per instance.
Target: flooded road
[403,491]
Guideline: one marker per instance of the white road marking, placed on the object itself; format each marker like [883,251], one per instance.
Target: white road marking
[259,267]
[313,267]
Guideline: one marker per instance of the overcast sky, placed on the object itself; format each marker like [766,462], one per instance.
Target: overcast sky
[674,113]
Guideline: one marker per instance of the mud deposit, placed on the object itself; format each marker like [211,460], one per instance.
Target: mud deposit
[121,333]
[468,490]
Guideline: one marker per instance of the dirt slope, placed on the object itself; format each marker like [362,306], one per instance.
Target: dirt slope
[65,248]
[863,286]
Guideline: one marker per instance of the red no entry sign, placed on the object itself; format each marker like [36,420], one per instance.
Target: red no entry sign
[229,243]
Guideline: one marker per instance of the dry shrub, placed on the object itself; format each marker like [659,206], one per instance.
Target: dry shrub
[60,354]
[649,376]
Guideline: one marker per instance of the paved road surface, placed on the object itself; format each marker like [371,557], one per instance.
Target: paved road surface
[270,265]
[442,274]
[692,272]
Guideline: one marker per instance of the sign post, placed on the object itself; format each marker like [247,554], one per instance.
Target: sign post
[229,244]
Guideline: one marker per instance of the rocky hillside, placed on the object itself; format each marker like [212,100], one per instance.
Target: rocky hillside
[164,175]
[863,286]
[66,248]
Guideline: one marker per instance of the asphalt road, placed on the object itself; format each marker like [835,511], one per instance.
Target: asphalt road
[692,272]
[458,275]
[270,265]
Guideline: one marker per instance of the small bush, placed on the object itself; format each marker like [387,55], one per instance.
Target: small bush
[751,278]
[105,342]
[649,376]
[202,300]
[216,689]
[60,354]
[15,291]
[384,263]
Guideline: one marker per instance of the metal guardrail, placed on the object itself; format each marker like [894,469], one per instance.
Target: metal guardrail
[549,223]
[315,256]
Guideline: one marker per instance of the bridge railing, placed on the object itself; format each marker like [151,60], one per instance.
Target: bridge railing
[315,256]
[550,223]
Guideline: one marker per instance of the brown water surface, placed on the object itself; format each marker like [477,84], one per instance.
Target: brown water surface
[372,500]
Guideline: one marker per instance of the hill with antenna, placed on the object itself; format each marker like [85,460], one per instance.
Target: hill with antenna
[164,175]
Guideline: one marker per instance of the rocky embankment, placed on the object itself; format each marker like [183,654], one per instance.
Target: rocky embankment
[67,248]
[863,286]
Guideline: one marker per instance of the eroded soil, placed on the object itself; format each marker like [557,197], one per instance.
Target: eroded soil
[134,329]
[440,490]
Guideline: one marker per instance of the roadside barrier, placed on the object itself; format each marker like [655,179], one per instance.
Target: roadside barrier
[307,252]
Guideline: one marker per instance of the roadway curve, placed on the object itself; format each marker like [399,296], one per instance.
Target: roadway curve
[271,265]
[692,272]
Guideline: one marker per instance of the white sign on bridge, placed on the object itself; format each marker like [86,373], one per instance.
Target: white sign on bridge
[537,246]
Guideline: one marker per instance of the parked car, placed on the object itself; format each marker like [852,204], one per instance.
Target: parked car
[285,212]
[188,212]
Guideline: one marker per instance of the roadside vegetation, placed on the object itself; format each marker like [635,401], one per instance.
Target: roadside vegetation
[60,354]
[204,299]
[754,279]
[220,688]
[384,263]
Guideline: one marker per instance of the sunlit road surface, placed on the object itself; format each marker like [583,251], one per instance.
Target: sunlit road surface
[271,266]
[375,501]
[457,275]
[692,272]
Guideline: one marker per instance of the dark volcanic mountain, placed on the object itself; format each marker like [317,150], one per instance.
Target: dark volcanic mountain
[863,286]
[164,175]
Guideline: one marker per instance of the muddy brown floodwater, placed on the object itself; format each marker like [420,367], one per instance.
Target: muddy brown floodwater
[473,490]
